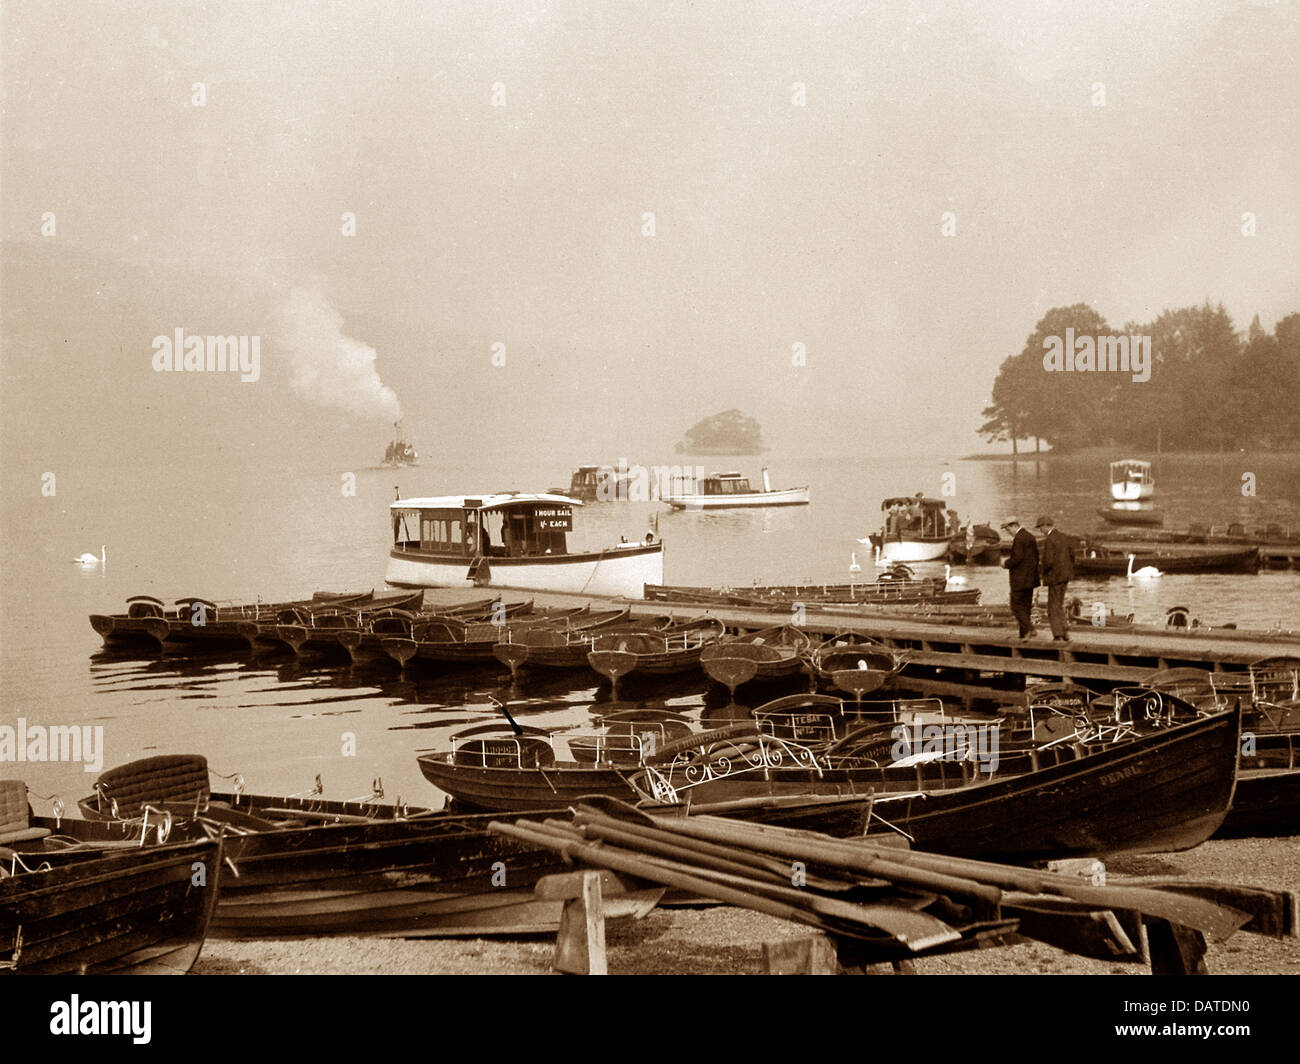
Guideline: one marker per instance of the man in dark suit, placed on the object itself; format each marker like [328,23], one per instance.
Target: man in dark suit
[1023,565]
[1058,571]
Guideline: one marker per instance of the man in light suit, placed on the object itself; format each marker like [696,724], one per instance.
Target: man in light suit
[1023,566]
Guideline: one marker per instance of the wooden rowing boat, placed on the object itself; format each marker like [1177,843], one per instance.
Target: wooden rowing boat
[854,663]
[492,767]
[314,632]
[67,910]
[567,646]
[1167,791]
[882,592]
[1099,560]
[365,644]
[308,866]
[766,654]
[149,624]
[670,651]
[442,644]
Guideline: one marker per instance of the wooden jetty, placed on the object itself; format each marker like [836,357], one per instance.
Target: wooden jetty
[1276,550]
[974,660]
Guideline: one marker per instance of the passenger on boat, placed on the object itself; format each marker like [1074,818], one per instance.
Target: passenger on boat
[894,519]
[915,512]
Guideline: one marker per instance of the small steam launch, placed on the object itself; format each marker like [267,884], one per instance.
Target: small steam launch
[400,452]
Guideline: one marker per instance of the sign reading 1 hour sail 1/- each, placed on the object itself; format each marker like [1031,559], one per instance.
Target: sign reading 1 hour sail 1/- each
[554,520]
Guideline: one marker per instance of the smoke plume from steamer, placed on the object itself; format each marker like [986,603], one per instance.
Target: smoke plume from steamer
[328,368]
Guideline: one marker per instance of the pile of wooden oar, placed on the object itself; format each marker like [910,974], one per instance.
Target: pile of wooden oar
[881,902]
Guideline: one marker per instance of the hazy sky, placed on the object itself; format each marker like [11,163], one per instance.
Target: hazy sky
[775,224]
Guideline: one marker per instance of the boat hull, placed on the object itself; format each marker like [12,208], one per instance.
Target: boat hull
[1168,792]
[781,497]
[126,912]
[1267,803]
[1208,560]
[615,572]
[435,873]
[911,548]
[1132,515]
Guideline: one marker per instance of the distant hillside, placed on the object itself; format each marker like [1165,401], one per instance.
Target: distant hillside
[727,433]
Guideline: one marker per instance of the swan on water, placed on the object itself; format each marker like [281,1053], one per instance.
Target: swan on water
[948,578]
[1147,572]
[854,567]
[89,560]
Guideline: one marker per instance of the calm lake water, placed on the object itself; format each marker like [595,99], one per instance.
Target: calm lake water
[233,533]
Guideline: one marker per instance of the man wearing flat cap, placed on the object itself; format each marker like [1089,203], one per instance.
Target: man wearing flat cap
[1058,571]
[1023,566]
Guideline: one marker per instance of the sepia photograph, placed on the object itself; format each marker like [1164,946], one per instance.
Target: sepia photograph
[651,487]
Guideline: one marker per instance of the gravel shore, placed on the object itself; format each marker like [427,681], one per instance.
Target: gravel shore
[727,941]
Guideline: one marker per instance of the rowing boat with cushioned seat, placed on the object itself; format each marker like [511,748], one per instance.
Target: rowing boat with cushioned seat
[68,909]
[306,865]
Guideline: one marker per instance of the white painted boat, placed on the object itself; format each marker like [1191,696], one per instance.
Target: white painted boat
[510,541]
[921,534]
[725,490]
[1131,481]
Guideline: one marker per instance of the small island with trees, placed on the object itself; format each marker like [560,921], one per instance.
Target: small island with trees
[1209,386]
[727,433]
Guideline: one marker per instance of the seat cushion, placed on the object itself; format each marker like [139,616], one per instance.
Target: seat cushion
[14,814]
[153,781]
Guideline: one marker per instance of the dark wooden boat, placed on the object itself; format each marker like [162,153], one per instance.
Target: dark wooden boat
[1145,515]
[854,663]
[149,624]
[492,767]
[1098,560]
[307,866]
[883,591]
[628,736]
[1215,535]
[314,631]
[978,545]
[1167,791]
[671,651]
[365,644]
[1266,803]
[816,719]
[69,910]
[567,646]
[453,642]
[766,654]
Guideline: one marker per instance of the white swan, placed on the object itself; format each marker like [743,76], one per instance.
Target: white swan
[89,561]
[948,578]
[854,567]
[1147,572]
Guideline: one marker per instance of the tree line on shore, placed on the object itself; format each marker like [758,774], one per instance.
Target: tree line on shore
[1210,386]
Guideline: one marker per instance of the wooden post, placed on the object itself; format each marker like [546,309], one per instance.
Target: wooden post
[580,944]
[1174,949]
[802,955]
